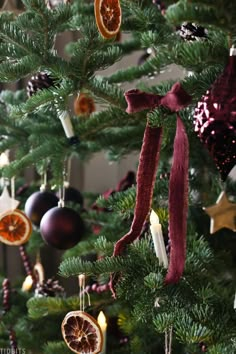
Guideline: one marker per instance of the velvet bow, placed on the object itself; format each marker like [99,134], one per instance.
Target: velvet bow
[176,99]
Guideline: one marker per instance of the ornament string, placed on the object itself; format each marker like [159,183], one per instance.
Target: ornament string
[12,190]
[61,202]
[44,182]
[69,167]
[168,340]
[82,292]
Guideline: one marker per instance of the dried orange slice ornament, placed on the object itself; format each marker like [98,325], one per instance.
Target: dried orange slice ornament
[15,227]
[82,333]
[83,105]
[108,17]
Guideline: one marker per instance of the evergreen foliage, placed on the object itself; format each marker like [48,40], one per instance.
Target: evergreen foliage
[199,309]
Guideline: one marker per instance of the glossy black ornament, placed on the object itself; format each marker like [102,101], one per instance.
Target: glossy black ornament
[62,228]
[38,204]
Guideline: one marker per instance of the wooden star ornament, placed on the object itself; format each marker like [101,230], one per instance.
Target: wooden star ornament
[222,214]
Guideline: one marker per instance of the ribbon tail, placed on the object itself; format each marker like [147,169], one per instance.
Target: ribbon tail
[178,204]
[146,175]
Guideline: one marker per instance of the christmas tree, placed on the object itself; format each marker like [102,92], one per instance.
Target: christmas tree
[157,253]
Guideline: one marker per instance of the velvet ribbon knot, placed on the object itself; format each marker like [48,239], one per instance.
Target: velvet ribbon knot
[176,99]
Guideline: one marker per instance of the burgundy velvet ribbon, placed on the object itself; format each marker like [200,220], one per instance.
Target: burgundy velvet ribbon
[176,99]
[146,173]
[178,204]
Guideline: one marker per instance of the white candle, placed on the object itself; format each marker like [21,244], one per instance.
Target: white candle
[4,159]
[158,240]
[235,302]
[66,123]
[28,283]
[103,325]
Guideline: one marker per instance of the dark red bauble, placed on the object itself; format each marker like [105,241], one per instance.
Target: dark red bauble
[62,228]
[73,195]
[38,204]
[215,119]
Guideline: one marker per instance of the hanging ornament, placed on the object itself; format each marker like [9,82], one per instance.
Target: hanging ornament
[6,288]
[15,228]
[52,4]
[84,105]
[81,331]
[192,32]
[222,214]
[215,118]
[49,288]
[26,262]
[39,270]
[39,81]
[38,204]
[108,17]
[97,288]
[6,202]
[174,100]
[13,341]
[61,228]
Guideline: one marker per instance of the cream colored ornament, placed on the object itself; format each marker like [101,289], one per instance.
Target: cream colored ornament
[6,202]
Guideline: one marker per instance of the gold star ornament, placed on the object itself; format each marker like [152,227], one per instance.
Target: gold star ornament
[222,214]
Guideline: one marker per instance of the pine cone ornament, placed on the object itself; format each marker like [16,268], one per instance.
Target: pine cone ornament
[49,288]
[37,82]
[215,119]
[52,4]
[192,32]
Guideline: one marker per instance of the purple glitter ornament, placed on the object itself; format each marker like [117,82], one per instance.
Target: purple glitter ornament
[215,118]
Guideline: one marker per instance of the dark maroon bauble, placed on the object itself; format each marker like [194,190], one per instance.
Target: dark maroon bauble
[38,204]
[73,195]
[62,228]
[215,119]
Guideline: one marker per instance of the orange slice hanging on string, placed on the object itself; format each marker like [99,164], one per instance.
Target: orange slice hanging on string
[108,17]
[15,227]
[82,333]
[84,105]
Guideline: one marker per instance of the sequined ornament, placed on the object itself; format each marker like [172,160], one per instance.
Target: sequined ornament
[215,118]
